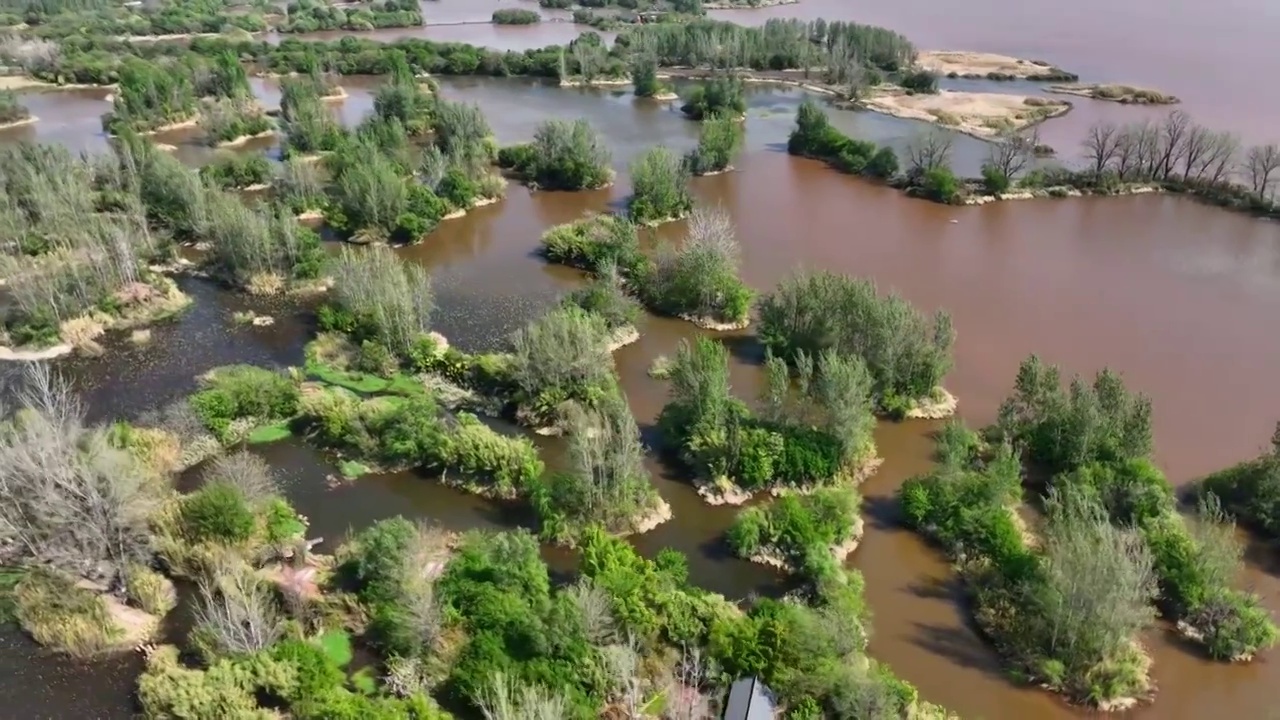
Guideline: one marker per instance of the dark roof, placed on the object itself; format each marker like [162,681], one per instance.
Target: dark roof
[749,699]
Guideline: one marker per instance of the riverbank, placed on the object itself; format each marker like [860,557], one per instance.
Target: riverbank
[978,114]
[19,123]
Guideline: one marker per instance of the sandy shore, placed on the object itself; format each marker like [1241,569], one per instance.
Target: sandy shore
[623,337]
[660,515]
[942,405]
[477,204]
[19,123]
[310,215]
[245,139]
[707,323]
[744,6]
[982,115]
[22,82]
[1124,94]
[774,558]
[664,97]
[180,125]
[603,82]
[979,65]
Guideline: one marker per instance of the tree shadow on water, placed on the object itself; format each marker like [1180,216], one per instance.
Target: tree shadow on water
[745,349]
[883,513]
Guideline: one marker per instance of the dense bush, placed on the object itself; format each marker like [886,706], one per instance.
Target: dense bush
[245,393]
[308,126]
[559,358]
[403,99]
[719,142]
[594,241]
[721,96]
[515,16]
[605,296]
[236,170]
[11,110]
[1063,429]
[374,197]
[258,249]
[906,354]
[809,434]
[800,530]
[1251,492]
[1068,614]
[230,121]
[606,484]
[564,156]
[306,16]
[149,97]
[217,512]
[660,188]
[814,137]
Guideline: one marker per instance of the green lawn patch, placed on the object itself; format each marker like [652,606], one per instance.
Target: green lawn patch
[354,381]
[352,469]
[270,433]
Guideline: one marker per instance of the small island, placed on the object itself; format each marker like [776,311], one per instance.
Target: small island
[990,66]
[1124,94]
[982,115]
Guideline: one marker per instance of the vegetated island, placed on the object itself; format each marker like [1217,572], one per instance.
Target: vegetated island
[990,66]
[982,115]
[1125,94]
[1112,533]
[12,112]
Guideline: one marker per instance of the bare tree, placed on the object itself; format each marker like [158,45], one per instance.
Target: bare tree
[424,561]
[1196,142]
[68,496]
[1220,159]
[1261,164]
[1012,152]
[1101,144]
[237,611]
[596,611]
[247,472]
[687,697]
[1172,142]
[1127,160]
[623,664]
[928,150]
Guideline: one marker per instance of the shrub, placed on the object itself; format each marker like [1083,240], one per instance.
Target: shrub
[60,615]
[906,354]
[564,156]
[720,96]
[480,456]
[244,392]
[1250,491]
[994,180]
[236,170]
[660,184]
[593,242]
[217,512]
[796,526]
[148,590]
[920,81]
[388,301]
[719,142]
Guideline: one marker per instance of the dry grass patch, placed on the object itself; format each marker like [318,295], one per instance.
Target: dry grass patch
[1125,94]
[983,115]
[965,64]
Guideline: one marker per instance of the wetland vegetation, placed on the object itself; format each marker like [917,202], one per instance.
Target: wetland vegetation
[408,620]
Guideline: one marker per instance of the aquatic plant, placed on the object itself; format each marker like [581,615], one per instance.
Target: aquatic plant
[721,96]
[235,171]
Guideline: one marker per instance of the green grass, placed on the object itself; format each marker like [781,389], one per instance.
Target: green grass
[352,469]
[359,382]
[337,647]
[270,433]
[406,385]
[9,579]
[656,706]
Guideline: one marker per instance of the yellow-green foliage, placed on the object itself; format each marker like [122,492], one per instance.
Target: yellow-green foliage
[476,452]
[62,616]
[225,691]
[148,590]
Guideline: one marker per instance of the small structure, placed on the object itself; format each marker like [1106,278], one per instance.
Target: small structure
[750,699]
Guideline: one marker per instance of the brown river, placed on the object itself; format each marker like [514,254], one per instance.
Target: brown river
[1175,295]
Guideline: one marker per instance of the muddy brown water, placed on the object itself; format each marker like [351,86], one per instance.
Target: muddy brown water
[1178,296]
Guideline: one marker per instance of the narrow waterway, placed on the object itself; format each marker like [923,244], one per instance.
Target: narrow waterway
[1178,296]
